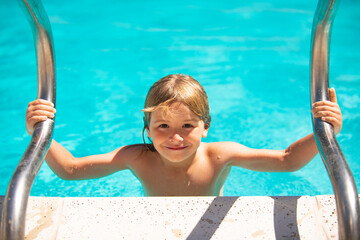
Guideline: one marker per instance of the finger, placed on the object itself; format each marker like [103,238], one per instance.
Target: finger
[333,109]
[325,104]
[40,113]
[325,111]
[35,119]
[41,102]
[326,115]
[332,95]
[41,107]
[333,121]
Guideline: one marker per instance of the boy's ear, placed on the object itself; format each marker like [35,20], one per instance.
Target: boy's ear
[148,132]
[204,134]
[206,129]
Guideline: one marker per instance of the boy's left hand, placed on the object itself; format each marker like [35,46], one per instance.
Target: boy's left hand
[329,111]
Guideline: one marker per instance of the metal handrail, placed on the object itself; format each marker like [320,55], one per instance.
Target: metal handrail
[15,202]
[347,202]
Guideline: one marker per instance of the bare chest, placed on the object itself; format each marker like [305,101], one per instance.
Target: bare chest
[197,181]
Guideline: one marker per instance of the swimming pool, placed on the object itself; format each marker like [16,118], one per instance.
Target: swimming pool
[252,58]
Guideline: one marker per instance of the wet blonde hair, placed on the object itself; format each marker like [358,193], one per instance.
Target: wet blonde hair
[178,88]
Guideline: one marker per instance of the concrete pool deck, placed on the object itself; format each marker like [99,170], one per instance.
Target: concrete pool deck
[303,217]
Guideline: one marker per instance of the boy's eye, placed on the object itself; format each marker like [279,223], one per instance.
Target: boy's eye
[187,125]
[163,125]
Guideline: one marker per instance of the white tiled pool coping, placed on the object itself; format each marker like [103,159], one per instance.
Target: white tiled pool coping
[177,218]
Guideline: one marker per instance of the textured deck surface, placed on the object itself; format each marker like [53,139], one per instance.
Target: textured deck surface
[182,218]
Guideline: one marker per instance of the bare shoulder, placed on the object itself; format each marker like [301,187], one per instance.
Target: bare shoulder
[225,151]
[130,154]
[226,147]
[141,160]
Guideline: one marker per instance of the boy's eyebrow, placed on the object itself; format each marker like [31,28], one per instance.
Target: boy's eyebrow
[160,120]
[186,120]
[192,120]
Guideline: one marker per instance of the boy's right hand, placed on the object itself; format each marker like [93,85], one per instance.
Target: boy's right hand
[329,111]
[38,111]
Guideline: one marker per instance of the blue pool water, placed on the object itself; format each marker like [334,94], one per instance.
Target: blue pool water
[251,56]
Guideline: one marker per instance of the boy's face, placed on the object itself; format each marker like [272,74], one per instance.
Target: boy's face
[176,133]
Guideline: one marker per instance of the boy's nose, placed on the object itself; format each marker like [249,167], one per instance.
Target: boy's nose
[176,138]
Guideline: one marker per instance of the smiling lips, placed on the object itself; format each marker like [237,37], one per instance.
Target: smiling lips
[176,148]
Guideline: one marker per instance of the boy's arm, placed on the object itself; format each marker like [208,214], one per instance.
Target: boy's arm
[63,163]
[66,166]
[295,156]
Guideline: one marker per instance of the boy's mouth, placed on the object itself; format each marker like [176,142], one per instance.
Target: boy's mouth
[177,148]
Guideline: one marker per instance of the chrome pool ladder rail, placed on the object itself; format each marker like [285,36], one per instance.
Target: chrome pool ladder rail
[15,202]
[346,196]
